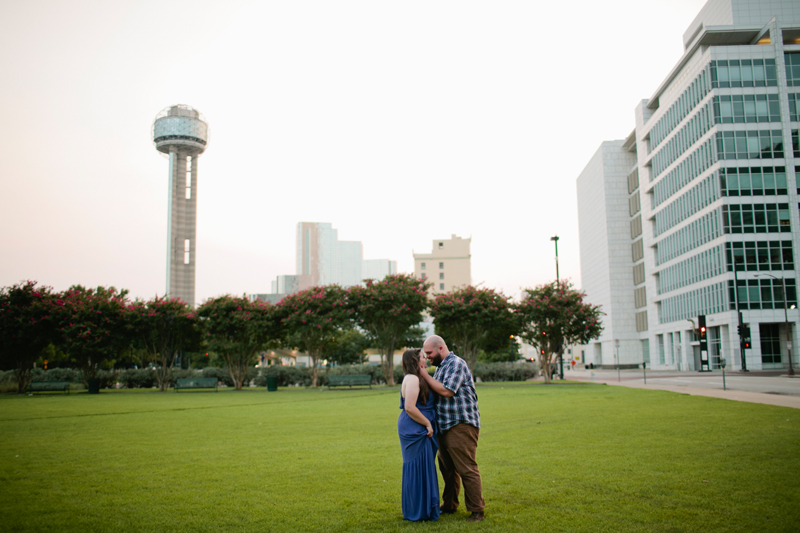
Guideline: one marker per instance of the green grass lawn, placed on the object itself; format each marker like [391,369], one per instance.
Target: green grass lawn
[552,458]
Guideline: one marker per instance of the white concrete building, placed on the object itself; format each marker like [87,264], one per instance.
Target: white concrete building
[705,182]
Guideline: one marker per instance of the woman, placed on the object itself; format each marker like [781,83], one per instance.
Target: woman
[417,429]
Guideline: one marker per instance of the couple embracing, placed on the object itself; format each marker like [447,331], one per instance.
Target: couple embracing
[440,413]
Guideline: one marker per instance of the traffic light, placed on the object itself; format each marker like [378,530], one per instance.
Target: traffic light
[740,330]
[701,328]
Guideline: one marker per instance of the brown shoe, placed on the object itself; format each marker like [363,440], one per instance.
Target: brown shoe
[476,517]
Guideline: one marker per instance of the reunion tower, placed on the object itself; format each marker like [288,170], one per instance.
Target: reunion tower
[182,133]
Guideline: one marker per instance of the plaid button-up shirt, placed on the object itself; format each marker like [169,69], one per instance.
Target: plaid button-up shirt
[462,407]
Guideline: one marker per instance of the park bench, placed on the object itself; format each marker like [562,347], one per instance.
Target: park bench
[43,386]
[196,383]
[342,381]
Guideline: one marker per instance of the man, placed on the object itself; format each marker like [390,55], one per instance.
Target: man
[459,426]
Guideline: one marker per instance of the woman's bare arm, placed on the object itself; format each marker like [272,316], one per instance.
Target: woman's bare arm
[411,386]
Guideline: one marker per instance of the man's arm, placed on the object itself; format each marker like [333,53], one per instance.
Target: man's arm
[437,387]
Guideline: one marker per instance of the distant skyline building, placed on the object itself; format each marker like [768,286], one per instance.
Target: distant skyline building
[696,211]
[322,259]
[447,266]
[181,133]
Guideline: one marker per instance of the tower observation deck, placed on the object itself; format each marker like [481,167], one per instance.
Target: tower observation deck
[181,133]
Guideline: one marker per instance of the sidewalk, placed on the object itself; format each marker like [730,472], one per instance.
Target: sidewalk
[767,387]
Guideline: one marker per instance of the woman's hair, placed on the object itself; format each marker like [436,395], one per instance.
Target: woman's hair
[411,366]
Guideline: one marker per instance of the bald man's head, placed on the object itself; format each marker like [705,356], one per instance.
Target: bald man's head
[435,349]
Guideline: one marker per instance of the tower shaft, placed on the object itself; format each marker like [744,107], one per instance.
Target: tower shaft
[182,233]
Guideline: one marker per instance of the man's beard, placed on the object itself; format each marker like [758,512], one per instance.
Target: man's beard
[437,360]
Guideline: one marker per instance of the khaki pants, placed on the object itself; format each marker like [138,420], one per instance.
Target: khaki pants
[457,447]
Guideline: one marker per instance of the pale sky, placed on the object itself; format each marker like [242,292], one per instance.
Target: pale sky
[397,122]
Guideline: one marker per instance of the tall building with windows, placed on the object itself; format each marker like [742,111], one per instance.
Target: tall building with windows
[181,133]
[447,266]
[696,212]
[322,259]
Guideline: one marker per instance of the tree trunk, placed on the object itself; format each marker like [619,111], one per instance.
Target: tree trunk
[314,370]
[388,366]
[546,365]
[23,376]
[164,371]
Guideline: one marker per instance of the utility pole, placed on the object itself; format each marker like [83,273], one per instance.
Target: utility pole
[558,283]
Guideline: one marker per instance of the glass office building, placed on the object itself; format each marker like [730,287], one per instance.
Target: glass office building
[696,212]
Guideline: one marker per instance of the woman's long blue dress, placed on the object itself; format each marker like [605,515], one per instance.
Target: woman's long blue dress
[420,484]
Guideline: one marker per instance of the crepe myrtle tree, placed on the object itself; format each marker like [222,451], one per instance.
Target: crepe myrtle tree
[92,326]
[27,328]
[472,319]
[553,316]
[237,329]
[311,320]
[163,328]
[390,311]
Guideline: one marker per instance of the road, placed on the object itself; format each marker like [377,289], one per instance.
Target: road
[769,387]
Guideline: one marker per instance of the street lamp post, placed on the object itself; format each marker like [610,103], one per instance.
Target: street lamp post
[785,319]
[555,239]
[560,356]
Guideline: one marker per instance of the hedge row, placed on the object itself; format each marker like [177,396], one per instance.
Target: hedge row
[288,376]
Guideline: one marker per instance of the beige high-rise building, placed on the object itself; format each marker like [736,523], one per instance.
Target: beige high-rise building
[447,266]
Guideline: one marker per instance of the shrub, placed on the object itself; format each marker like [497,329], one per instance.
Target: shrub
[108,378]
[224,375]
[60,374]
[181,373]
[138,378]
[521,371]
[288,376]
[8,381]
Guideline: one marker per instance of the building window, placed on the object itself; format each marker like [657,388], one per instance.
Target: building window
[756,218]
[740,109]
[761,294]
[661,356]
[759,255]
[703,301]
[745,73]
[753,181]
[792,62]
[637,250]
[422,266]
[638,274]
[441,266]
[640,297]
[752,144]
[641,324]
[441,245]
[441,275]
[770,343]
[186,251]
[424,275]
[441,286]
[188,178]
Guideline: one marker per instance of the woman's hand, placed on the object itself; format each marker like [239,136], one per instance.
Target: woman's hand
[429,429]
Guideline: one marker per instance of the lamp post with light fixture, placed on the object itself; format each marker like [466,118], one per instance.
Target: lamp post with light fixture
[560,356]
[785,318]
